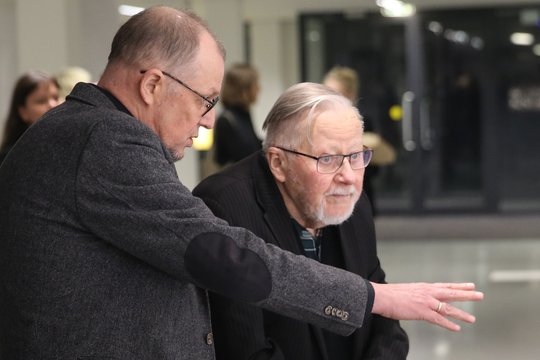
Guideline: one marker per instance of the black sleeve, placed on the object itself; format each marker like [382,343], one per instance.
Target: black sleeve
[234,139]
[239,331]
[224,142]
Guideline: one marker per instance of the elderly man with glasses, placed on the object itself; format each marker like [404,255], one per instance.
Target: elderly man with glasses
[104,254]
[303,193]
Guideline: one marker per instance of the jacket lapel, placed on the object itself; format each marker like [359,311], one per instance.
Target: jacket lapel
[279,222]
[351,254]
[352,259]
[276,215]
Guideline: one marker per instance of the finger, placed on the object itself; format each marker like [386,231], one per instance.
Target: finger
[447,295]
[438,317]
[448,310]
[456,286]
[445,323]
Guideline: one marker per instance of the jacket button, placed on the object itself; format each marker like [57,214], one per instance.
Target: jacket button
[209,339]
[328,310]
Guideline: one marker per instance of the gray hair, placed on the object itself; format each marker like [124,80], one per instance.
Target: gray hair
[291,119]
[159,35]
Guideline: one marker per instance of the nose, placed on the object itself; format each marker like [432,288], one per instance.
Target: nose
[345,174]
[52,103]
[209,119]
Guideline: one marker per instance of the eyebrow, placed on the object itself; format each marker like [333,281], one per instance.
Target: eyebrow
[335,151]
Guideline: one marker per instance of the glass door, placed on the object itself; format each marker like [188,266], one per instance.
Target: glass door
[455,93]
[483,105]
[453,134]
[375,47]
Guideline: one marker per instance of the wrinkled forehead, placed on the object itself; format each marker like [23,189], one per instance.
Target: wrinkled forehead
[333,113]
[341,126]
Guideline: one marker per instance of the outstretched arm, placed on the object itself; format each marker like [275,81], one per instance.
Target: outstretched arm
[425,301]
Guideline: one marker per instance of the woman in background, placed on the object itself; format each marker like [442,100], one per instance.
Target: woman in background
[234,135]
[34,94]
[69,77]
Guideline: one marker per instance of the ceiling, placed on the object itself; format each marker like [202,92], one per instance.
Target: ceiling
[290,8]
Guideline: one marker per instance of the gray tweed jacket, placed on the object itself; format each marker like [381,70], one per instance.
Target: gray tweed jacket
[104,254]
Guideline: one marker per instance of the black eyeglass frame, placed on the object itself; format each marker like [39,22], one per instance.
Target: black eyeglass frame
[343,156]
[210,102]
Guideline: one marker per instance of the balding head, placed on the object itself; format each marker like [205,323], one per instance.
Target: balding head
[159,35]
[166,68]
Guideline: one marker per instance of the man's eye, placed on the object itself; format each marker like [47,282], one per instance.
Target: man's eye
[326,159]
[356,156]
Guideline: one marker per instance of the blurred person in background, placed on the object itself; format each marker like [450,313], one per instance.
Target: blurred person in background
[234,135]
[345,81]
[35,93]
[69,77]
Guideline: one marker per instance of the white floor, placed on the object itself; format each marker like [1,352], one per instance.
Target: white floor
[508,272]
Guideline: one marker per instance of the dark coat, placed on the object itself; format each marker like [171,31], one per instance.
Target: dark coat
[104,254]
[246,195]
[234,136]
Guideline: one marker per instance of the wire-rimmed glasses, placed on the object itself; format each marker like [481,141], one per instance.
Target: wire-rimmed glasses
[328,164]
[209,103]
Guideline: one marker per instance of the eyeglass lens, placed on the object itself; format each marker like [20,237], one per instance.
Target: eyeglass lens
[331,163]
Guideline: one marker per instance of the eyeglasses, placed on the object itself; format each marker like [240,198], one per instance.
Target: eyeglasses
[209,103]
[328,164]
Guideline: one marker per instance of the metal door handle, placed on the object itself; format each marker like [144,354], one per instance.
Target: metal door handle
[407,122]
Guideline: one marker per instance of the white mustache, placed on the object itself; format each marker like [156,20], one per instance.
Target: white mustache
[342,191]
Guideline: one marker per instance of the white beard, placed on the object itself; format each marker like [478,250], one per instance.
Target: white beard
[320,212]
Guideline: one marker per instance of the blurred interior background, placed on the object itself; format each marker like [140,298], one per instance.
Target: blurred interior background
[453,85]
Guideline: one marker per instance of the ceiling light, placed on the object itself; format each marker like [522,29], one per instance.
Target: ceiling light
[435,27]
[536,49]
[396,8]
[477,43]
[524,39]
[128,10]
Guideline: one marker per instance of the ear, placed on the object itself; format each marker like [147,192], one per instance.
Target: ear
[278,163]
[152,86]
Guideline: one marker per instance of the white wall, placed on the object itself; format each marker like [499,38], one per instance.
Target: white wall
[41,33]
[92,26]
[8,56]
[49,35]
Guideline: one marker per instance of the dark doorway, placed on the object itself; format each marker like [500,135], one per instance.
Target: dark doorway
[468,101]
